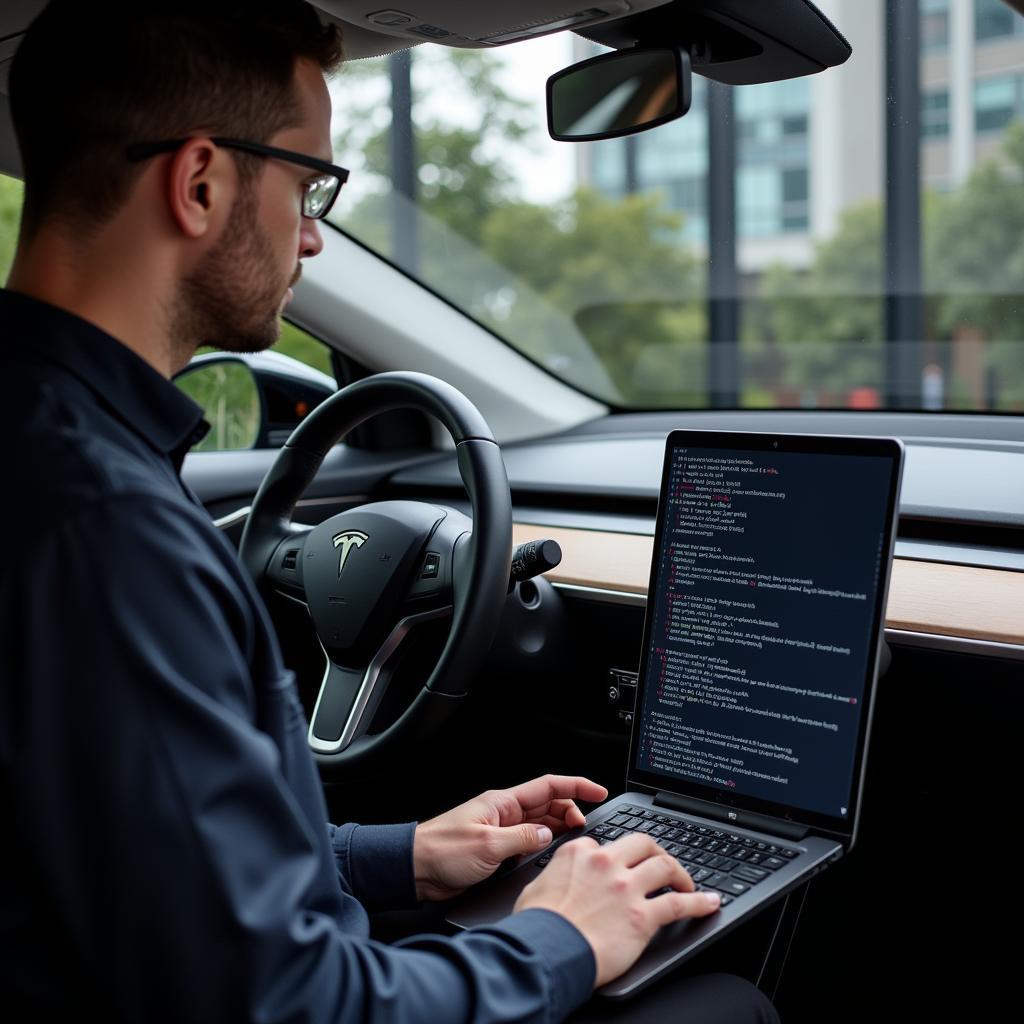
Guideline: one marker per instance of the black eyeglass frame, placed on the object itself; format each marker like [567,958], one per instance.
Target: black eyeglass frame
[143,150]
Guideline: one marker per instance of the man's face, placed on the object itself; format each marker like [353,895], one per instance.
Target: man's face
[236,294]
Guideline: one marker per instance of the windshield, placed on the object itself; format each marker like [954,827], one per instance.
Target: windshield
[600,260]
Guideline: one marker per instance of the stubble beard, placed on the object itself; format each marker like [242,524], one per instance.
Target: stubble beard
[232,299]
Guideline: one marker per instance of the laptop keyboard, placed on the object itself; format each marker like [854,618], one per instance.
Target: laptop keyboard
[715,859]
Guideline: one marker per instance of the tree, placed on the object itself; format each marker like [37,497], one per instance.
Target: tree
[596,289]
[614,266]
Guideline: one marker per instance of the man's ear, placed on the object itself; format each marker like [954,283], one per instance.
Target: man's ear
[200,185]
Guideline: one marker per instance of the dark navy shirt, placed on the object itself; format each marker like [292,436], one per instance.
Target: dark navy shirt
[165,850]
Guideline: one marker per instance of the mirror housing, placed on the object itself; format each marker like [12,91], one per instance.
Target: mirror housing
[286,390]
[619,93]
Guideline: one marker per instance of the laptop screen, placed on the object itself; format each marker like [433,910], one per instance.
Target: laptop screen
[767,592]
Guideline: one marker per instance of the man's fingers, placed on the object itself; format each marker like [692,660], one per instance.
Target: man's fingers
[564,813]
[634,848]
[515,840]
[675,906]
[539,792]
[657,872]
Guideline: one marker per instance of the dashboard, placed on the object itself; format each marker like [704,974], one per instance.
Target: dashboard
[958,577]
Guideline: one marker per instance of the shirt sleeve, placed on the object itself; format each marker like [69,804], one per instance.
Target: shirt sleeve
[179,869]
[377,863]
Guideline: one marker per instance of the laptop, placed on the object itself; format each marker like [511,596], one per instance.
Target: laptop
[757,675]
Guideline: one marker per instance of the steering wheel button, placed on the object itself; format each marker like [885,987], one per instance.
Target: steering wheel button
[431,566]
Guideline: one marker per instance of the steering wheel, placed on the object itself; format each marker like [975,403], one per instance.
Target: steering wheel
[370,574]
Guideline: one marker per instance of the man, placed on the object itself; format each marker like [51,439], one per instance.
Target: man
[167,855]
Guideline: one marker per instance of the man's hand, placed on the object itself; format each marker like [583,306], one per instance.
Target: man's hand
[466,845]
[603,891]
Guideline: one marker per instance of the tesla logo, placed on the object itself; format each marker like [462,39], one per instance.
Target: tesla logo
[347,541]
[732,815]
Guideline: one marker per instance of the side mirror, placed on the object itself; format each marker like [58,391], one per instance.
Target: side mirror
[230,397]
[618,94]
[252,401]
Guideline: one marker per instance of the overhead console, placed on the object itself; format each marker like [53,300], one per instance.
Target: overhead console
[734,41]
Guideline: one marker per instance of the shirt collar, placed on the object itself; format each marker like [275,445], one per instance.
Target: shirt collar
[131,390]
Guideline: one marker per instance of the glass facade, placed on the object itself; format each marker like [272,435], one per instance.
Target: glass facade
[993,20]
[773,173]
[934,25]
[935,114]
[997,101]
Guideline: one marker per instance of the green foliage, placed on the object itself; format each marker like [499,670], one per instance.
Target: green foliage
[229,396]
[11,191]
[614,267]
[296,343]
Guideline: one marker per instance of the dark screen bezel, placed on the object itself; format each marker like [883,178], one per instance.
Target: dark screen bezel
[809,444]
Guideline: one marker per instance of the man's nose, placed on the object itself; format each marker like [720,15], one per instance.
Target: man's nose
[310,239]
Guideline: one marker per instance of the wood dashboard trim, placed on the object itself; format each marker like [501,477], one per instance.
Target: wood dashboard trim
[924,597]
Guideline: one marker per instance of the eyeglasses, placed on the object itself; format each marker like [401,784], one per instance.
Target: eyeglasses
[318,193]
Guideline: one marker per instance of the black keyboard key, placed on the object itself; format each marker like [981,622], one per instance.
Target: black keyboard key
[703,857]
[755,858]
[674,848]
[650,815]
[733,886]
[702,830]
[748,874]
[699,874]
[749,842]
[646,826]
[788,854]
[619,819]
[658,831]
[631,823]
[614,833]
[713,845]
[673,834]
[599,830]
[761,846]
[696,841]
[716,879]
[741,853]
[773,863]
[726,899]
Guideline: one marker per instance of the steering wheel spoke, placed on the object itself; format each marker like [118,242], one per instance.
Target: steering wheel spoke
[350,696]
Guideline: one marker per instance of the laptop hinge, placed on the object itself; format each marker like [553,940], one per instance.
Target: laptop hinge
[745,819]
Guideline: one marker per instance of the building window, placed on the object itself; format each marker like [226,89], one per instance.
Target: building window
[995,103]
[994,20]
[935,114]
[934,25]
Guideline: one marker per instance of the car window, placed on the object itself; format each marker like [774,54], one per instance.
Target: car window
[599,262]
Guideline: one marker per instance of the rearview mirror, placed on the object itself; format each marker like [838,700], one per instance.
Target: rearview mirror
[618,94]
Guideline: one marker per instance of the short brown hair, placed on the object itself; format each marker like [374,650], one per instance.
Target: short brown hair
[91,77]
